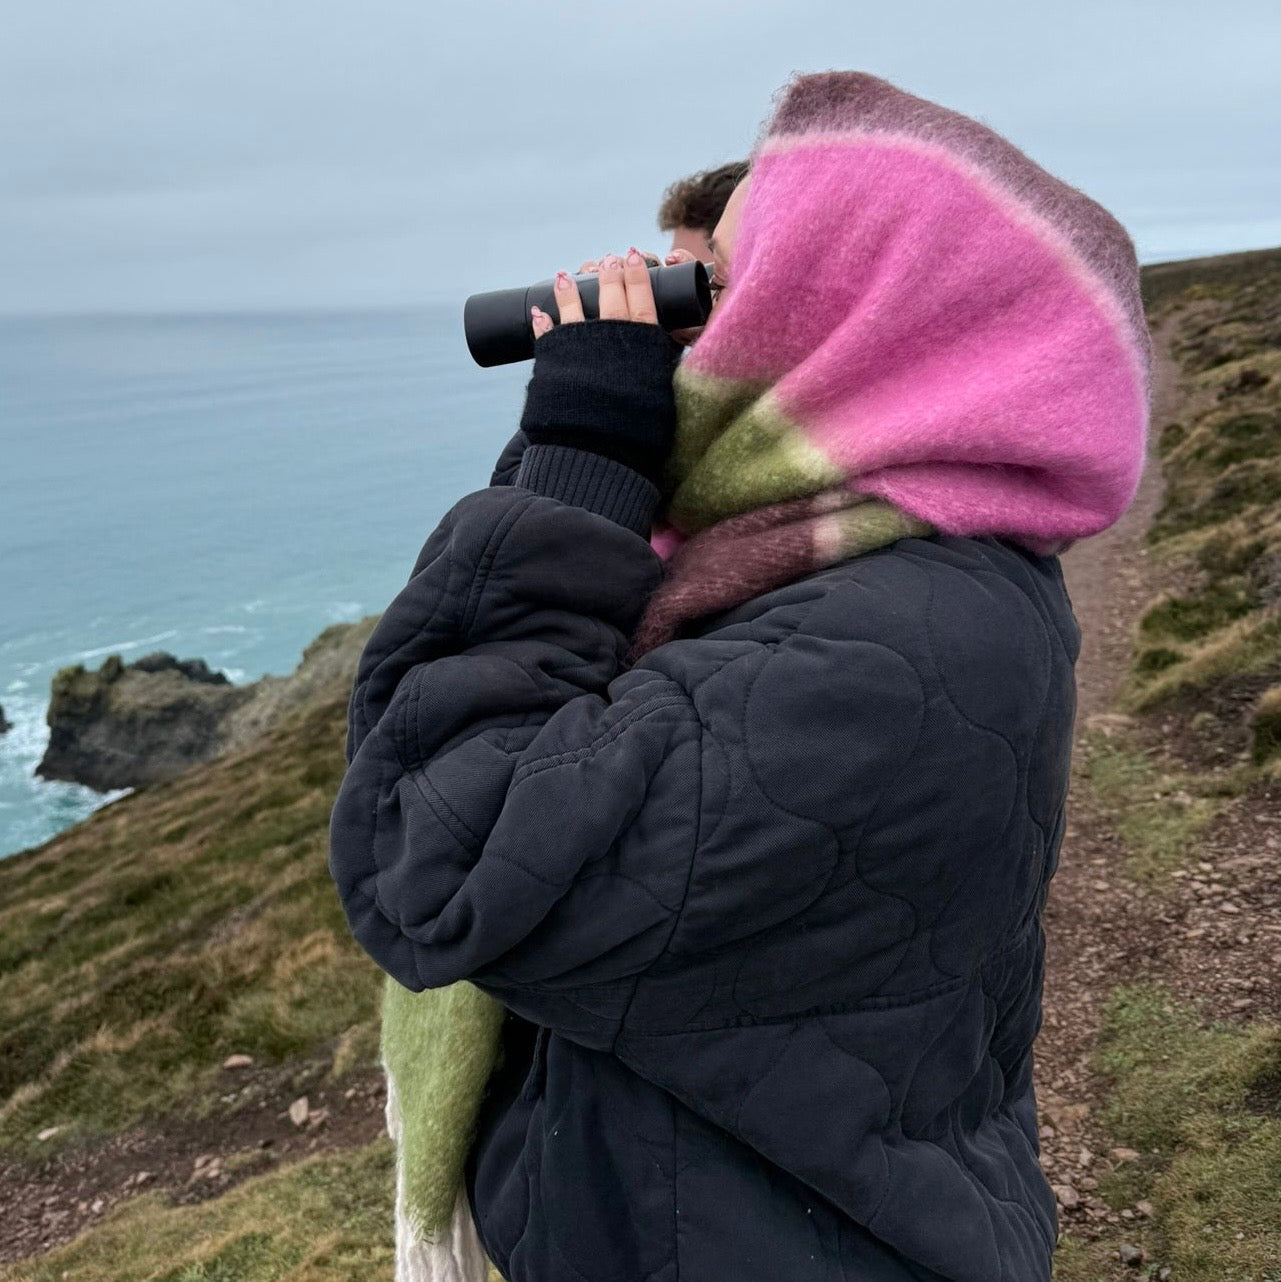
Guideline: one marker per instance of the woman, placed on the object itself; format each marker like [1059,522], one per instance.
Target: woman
[724,738]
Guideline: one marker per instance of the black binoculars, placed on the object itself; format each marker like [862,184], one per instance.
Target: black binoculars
[500,330]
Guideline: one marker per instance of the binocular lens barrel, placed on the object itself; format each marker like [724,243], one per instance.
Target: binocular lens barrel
[500,330]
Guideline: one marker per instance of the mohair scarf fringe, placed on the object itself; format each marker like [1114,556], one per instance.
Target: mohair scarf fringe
[925,331]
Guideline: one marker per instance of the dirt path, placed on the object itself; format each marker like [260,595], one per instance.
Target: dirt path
[1102,928]
[191,1160]
[1109,577]
[1094,929]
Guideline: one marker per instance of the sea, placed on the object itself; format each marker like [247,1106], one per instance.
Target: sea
[220,487]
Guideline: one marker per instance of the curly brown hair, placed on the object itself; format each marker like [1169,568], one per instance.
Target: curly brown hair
[699,200]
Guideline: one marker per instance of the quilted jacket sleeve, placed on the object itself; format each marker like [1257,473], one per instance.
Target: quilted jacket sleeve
[516,811]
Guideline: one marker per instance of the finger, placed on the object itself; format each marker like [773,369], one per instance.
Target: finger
[640,290]
[590,265]
[613,290]
[675,256]
[540,321]
[568,301]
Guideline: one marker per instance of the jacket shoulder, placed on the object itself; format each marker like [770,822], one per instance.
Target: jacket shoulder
[954,587]
[967,585]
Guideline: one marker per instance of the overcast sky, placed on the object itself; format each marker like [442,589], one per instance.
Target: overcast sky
[179,154]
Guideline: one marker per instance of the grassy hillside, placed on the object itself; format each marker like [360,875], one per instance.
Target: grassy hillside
[1209,649]
[177,926]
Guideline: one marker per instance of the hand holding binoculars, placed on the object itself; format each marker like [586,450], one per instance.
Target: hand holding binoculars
[499,330]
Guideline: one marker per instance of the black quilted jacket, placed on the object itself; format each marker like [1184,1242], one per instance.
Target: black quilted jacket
[765,908]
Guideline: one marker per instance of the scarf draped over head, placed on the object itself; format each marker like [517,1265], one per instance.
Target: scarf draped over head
[923,329]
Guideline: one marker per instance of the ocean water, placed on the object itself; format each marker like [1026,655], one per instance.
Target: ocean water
[221,487]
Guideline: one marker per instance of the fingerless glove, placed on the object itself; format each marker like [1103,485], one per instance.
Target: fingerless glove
[605,386]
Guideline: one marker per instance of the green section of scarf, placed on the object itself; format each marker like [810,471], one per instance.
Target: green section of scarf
[438,1049]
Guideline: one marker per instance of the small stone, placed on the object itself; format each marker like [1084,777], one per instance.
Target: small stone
[1127,1214]
[316,1117]
[1131,1256]
[96,1205]
[238,1061]
[349,1093]
[1229,907]
[1068,1197]
[1124,1154]
[1101,886]
[1204,866]
[1145,1208]
[1084,1157]
[1164,1273]
[203,1160]
[299,1110]
[48,1133]
[1243,1003]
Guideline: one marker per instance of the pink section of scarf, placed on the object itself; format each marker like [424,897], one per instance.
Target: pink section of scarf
[958,331]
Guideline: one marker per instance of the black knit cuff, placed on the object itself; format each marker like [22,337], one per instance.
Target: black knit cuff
[605,385]
[592,481]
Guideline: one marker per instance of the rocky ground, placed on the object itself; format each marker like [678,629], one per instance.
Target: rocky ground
[266,1118]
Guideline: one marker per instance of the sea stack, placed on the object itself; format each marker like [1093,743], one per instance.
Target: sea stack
[128,725]
[131,725]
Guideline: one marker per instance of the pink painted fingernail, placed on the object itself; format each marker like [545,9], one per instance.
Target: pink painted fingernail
[562,280]
[633,256]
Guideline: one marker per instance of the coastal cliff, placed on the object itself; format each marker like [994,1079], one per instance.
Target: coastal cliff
[135,724]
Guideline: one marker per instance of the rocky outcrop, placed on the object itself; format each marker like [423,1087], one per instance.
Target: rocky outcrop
[4,725]
[129,725]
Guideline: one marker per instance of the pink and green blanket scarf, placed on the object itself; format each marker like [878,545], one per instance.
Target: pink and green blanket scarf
[922,326]
[924,331]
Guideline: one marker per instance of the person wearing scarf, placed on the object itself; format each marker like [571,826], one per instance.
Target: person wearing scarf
[930,360]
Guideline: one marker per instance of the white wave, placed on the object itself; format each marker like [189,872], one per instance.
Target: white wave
[81,655]
[232,674]
[24,742]
[224,627]
[16,685]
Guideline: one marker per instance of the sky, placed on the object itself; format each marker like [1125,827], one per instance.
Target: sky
[162,155]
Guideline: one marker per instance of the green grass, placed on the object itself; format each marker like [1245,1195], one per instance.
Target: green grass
[325,1219]
[1201,1103]
[180,924]
[1158,811]
[1216,645]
